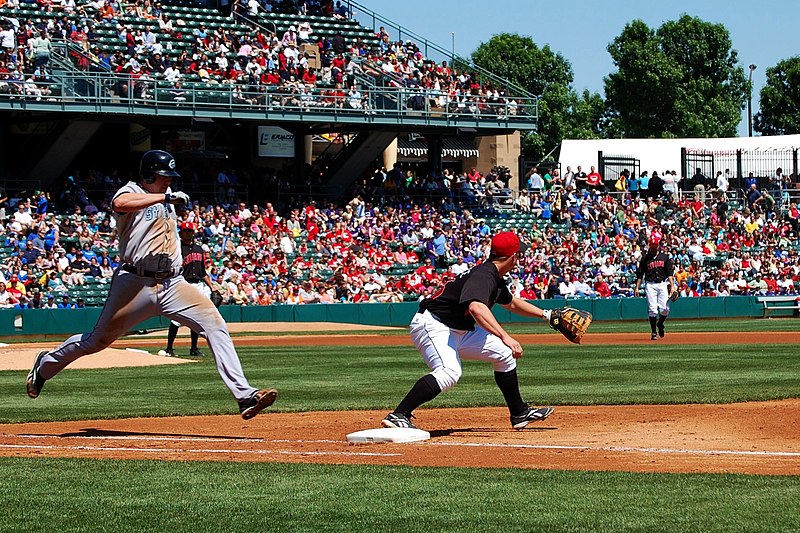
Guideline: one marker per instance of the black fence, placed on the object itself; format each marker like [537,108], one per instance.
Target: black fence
[740,164]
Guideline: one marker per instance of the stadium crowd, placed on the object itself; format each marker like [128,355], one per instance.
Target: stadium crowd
[257,66]
[395,240]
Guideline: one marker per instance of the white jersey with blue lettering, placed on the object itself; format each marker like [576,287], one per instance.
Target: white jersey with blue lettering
[148,238]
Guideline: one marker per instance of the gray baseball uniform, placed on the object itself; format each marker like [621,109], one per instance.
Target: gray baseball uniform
[147,284]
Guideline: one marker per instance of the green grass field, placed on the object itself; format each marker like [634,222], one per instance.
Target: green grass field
[121,496]
[83,495]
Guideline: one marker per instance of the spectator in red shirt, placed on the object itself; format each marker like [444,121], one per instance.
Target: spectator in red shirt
[528,292]
[594,181]
[601,287]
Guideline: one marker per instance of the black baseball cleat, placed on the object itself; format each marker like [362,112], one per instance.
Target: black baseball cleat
[196,353]
[35,381]
[531,414]
[259,401]
[653,336]
[661,330]
[398,420]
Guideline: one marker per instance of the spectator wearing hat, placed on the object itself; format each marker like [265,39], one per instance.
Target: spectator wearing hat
[290,37]
[65,303]
[7,299]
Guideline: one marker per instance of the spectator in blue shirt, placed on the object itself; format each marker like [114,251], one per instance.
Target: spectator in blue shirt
[64,304]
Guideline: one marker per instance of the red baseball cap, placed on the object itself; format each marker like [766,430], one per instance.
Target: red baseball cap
[655,238]
[506,244]
[188,225]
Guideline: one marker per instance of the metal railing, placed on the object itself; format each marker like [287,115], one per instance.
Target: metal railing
[428,47]
[103,92]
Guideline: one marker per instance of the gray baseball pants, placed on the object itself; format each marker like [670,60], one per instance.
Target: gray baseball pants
[133,299]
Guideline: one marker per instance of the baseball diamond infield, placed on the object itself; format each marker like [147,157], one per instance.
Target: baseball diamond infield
[753,438]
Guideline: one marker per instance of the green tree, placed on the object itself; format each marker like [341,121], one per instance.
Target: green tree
[681,80]
[780,100]
[542,72]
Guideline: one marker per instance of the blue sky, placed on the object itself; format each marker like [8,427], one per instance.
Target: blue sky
[761,32]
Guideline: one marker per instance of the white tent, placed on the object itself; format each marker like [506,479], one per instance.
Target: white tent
[665,154]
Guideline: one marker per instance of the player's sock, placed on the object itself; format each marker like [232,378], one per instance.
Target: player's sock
[508,382]
[195,337]
[661,319]
[653,322]
[173,332]
[424,390]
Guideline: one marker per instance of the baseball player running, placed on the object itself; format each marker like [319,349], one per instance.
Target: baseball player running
[148,282]
[457,322]
[656,269]
[194,272]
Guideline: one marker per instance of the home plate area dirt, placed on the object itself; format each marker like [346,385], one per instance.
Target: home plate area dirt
[752,438]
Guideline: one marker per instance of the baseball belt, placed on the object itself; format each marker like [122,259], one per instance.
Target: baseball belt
[155,274]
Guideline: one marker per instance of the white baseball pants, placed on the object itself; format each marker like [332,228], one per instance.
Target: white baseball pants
[657,298]
[442,348]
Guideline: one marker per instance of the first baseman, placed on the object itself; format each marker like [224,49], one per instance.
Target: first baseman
[656,269]
[148,283]
[457,322]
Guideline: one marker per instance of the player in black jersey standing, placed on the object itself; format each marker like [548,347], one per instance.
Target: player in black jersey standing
[194,271]
[657,271]
[457,322]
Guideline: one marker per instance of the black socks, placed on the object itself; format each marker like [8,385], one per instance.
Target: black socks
[653,324]
[509,386]
[424,390]
[173,332]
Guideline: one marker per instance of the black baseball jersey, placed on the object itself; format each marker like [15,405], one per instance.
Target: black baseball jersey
[450,304]
[194,265]
[654,267]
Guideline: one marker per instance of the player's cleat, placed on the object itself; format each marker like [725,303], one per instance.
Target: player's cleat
[259,401]
[398,420]
[35,381]
[654,337]
[661,330]
[531,414]
[196,353]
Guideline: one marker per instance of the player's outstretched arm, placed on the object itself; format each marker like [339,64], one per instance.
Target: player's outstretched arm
[133,201]
[485,319]
[522,307]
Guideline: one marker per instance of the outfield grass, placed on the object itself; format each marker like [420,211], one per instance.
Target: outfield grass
[342,378]
[87,495]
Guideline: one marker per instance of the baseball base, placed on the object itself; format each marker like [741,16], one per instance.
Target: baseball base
[395,435]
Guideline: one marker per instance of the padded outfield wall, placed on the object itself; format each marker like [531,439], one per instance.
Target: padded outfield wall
[69,321]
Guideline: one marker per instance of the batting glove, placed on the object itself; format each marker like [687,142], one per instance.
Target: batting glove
[177,198]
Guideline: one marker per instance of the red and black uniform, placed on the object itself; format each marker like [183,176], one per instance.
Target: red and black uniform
[655,267]
[450,304]
[194,264]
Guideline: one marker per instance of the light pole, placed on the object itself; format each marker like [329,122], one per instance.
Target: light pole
[452,47]
[752,67]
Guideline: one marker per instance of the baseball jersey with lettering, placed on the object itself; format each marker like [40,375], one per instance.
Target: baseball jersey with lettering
[148,238]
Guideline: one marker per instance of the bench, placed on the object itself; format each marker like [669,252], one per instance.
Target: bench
[780,303]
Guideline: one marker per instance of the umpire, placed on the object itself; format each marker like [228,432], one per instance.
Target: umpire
[657,271]
[457,322]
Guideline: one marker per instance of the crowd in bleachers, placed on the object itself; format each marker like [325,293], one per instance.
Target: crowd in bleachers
[177,54]
[385,246]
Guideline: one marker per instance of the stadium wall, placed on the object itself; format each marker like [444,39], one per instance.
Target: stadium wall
[66,322]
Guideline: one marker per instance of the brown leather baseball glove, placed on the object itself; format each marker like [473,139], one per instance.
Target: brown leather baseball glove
[570,322]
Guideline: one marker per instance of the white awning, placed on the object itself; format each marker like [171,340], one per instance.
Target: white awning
[450,148]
